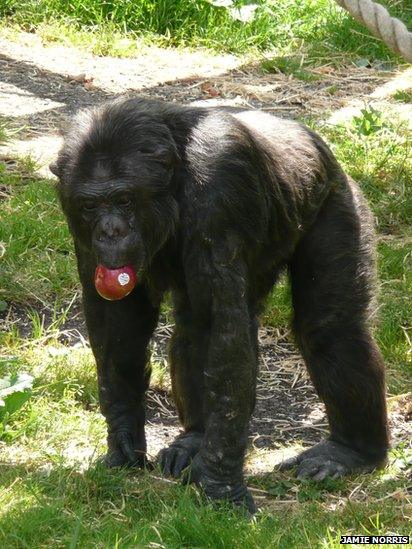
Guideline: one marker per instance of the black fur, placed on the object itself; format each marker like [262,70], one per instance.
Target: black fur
[213,204]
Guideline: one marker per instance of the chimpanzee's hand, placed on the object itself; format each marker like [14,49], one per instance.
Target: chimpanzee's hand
[174,459]
[218,488]
[125,450]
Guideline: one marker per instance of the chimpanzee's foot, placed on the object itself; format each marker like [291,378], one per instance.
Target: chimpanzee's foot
[330,459]
[180,453]
[218,488]
[123,451]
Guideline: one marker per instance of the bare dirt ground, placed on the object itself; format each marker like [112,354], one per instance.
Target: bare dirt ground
[40,87]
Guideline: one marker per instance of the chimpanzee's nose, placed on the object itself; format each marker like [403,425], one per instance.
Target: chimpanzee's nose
[111,228]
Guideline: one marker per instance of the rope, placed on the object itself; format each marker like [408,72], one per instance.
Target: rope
[377,19]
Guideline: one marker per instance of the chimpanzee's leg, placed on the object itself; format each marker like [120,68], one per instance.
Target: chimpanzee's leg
[332,284]
[119,333]
[187,354]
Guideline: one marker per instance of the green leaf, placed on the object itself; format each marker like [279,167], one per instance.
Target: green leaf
[15,390]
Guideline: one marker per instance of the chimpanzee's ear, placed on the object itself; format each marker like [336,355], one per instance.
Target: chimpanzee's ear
[166,155]
[55,168]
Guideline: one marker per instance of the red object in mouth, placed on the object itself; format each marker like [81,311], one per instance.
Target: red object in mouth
[113,284]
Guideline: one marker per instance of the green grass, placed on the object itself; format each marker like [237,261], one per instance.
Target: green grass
[404,96]
[38,262]
[290,66]
[316,27]
[52,492]
[63,507]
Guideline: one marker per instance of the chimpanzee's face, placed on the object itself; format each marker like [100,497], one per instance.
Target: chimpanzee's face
[116,192]
[106,216]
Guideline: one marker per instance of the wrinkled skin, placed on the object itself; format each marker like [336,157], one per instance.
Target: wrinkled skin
[213,204]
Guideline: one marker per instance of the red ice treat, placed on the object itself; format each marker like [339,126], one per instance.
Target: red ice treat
[114,284]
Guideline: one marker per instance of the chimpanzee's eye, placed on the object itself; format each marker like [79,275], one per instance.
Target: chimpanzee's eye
[88,206]
[124,201]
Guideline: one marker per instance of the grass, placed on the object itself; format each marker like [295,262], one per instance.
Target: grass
[132,514]
[315,27]
[404,96]
[290,66]
[38,259]
[54,493]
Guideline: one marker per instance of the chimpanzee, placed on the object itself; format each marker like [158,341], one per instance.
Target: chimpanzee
[213,204]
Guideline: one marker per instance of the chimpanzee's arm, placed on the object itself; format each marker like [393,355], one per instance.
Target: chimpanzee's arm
[119,333]
[229,381]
